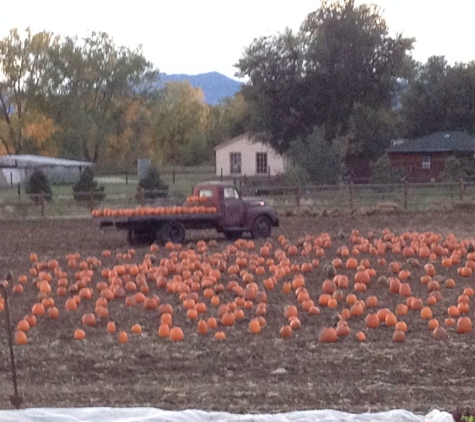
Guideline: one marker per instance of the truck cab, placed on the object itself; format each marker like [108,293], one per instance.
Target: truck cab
[237,214]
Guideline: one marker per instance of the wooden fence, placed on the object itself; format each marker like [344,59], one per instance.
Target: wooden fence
[345,198]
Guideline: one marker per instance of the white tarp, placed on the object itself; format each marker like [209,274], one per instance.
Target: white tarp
[142,414]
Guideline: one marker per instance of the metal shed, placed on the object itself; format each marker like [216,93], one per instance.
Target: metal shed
[16,169]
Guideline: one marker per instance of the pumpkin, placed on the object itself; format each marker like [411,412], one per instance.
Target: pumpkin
[372,321]
[122,337]
[254,326]
[136,329]
[328,335]
[38,309]
[176,334]
[53,312]
[79,334]
[401,325]
[111,328]
[464,325]
[23,325]
[399,336]
[21,338]
[220,335]
[426,313]
[286,331]
[163,331]
[433,324]
[212,323]
[291,311]
[88,319]
[295,323]
[342,328]
[371,301]
[439,333]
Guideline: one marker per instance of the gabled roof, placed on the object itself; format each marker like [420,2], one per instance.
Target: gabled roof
[28,160]
[435,142]
[235,139]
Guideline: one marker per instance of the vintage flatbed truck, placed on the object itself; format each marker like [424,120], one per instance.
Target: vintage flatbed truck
[212,205]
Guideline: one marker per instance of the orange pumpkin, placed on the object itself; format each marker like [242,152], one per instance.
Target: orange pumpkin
[286,331]
[79,334]
[176,334]
[464,325]
[21,338]
[328,335]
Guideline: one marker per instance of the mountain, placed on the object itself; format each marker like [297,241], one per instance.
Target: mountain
[215,86]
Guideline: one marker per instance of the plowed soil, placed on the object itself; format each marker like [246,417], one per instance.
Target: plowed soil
[244,373]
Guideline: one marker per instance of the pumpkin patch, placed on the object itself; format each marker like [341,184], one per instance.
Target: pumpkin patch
[348,295]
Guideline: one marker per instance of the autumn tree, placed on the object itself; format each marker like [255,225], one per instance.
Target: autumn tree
[342,57]
[228,119]
[181,118]
[132,135]
[26,65]
[94,82]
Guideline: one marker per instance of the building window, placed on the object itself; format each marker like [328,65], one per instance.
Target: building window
[261,163]
[426,162]
[235,162]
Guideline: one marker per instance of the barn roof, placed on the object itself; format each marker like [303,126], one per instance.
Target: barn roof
[28,160]
[435,142]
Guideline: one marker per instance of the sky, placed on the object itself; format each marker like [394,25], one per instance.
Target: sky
[198,36]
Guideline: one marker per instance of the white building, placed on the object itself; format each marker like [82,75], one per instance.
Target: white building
[245,156]
[16,169]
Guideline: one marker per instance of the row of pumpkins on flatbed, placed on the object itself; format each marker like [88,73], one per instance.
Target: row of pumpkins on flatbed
[194,205]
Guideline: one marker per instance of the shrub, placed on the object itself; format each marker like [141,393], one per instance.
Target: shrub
[295,176]
[383,173]
[454,170]
[152,184]
[86,185]
[321,159]
[37,183]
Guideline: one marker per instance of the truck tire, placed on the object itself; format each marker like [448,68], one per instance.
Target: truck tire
[173,231]
[262,227]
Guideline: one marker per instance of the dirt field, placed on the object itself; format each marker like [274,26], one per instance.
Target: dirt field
[244,373]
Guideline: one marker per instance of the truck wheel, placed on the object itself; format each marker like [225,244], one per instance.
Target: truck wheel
[262,227]
[173,231]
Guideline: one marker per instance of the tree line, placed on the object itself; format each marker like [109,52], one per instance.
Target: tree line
[92,100]
[341,87]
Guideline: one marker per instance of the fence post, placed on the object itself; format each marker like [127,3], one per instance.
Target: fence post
[352,197]
[16,398]
[221,177]
[461,187]
[173,176]
[91,199]
[405,195]
[297,196]
[142,196]
[42,203]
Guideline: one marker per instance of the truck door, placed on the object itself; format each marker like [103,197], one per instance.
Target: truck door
[233,208]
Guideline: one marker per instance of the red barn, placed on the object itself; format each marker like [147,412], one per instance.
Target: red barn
[422,159]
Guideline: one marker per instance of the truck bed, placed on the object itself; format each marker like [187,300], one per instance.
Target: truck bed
[203,220]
